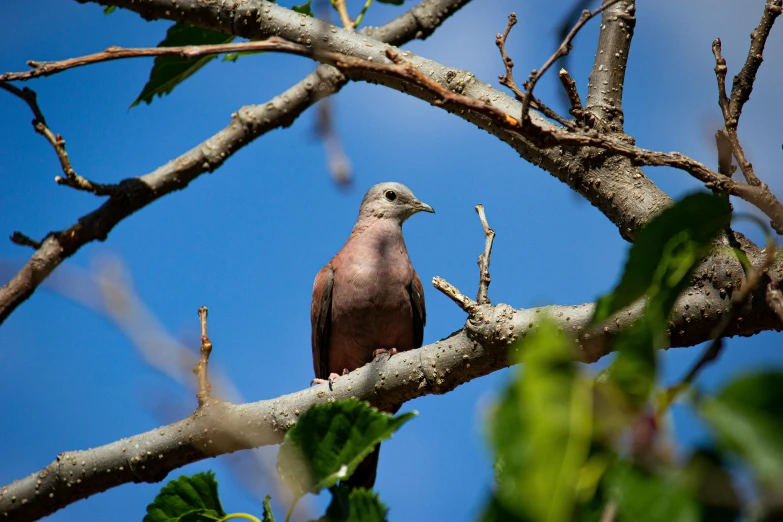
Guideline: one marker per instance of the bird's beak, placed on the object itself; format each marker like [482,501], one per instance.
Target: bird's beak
[423,207]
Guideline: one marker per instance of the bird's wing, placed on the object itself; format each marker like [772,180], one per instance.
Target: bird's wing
[321,320]
[419,310]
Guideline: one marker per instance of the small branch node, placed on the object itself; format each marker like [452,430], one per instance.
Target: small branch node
[467,304]
[200,369]
[483,261]
[569,85]
[25,240]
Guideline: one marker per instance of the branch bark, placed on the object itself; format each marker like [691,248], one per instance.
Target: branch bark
[480,348]
[247,124]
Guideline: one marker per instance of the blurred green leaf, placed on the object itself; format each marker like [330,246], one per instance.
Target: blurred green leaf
[305,9]
[711,484]
[187,499]
[109,9]
[269,515]
[357,505]
[169,71]
[748,418]
[330,440]
[642,497]
[635,369]
[665,252]
[542,431]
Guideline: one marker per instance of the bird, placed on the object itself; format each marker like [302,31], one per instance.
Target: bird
[368,299]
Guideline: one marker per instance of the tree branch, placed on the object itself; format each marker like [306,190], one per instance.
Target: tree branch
[564,48]
[480,348]
[247,124]
[607,78]
[71,179]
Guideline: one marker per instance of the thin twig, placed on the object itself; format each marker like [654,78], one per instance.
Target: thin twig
[200,369]
[569,85]
[743,82]
[464,302]
[25,240]
[564,48]
[342,10]
[729,130]
[483,261]
[775,298]
[508,78]
[71,179]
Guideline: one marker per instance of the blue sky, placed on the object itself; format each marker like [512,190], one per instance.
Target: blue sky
[248,239]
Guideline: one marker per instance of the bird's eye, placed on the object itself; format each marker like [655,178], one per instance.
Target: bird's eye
[390,195]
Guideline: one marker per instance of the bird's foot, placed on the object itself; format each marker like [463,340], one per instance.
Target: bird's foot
[332,377]
[381,351]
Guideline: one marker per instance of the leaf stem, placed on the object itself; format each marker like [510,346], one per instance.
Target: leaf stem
[291,509]
[359,18]
[246,516]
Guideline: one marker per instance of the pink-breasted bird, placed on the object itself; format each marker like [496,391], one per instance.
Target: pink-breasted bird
[368,299]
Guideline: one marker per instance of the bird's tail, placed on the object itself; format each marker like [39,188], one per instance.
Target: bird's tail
[364,476]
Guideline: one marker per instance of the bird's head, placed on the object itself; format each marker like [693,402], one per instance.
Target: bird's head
[390,200]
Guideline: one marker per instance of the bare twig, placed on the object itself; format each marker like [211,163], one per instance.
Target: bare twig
[564,48]
[569,85]
[775,298]
[345,19]
[187,52]
[508,78]
[71,179]
[483,261]
[728,135]
[464,302]
[743,82]
[204,388]
[24,240]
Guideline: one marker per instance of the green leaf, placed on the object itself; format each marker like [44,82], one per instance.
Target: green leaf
[109,9]
[665,253]
[357,505]
[329,441]
[169,71]
[643,497]
[269,515]
[187,499]
[305,9]
[635,369]
[748,418]
[395,2]
[542,431]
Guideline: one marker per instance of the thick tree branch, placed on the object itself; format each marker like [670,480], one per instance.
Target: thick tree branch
[478,349]
[607,78]
[598,176]
[564,48]
[247,124]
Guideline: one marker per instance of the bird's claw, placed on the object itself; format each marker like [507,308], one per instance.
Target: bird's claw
[381,351]
[332,377]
